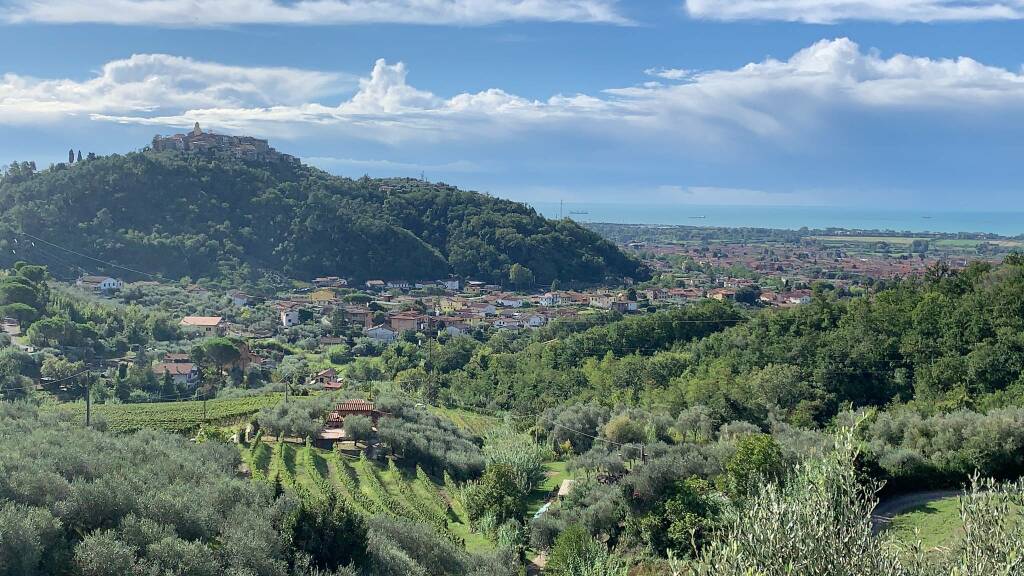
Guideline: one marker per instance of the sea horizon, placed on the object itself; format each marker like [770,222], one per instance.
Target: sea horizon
[1008,223]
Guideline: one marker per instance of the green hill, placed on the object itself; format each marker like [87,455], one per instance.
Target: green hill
[218,217]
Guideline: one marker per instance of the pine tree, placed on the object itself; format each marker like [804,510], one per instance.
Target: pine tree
[79,159]
[121,388]
[71,156]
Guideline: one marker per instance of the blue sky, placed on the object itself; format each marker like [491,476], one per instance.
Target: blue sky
[866,103]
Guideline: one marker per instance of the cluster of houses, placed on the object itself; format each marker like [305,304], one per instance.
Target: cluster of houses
[243,147]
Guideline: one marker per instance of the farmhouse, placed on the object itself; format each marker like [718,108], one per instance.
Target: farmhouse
[205,325]
[336,419]
[104,284]
[328,379]
[182,373]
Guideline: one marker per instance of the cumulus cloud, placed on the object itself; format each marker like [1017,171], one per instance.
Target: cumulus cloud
[146,83]
[775,100]
[830,11]
[190,13]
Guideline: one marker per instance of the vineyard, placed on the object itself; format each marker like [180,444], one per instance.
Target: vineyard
[369,488]
[173,416]
[472,422]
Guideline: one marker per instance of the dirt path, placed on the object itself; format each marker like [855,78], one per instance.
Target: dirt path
[889,509]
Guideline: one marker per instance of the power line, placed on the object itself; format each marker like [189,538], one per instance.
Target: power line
[108,263]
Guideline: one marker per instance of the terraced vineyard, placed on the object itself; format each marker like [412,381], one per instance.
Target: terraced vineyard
[173,416]
[369,488]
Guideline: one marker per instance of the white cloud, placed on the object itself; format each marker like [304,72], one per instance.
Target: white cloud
[669,73]
[146,83]
[774,100]
[192,13]
[830,11]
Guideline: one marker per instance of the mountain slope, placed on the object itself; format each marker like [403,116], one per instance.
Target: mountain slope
[218,217]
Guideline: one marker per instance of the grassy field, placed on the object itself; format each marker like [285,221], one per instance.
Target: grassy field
[556,471]
[367,486]
[172,416]
[937,524]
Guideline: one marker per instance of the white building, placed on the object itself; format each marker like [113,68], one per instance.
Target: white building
[381,333]
[99,283]
[239,299]
[450,284]
[290,318]
[509,301]
[536,320]
[551,299]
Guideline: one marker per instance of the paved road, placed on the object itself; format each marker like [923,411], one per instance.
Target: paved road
[892,507]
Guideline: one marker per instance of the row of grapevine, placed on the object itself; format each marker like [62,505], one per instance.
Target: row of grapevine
[427,487]
[410,508]
[377,489]
[307,459]
[279,464]
[347,478]
[182,417]
[259,460]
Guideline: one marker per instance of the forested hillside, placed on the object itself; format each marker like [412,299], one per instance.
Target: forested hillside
[219,217]
[949,340]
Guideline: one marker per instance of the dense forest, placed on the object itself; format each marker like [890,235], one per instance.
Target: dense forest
[222,218]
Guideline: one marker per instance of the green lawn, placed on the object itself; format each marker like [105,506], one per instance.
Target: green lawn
[938,524]
[556,471]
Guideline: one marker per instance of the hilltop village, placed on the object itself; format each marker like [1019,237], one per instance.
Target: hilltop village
[241,147]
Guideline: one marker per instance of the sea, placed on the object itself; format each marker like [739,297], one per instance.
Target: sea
[789,217]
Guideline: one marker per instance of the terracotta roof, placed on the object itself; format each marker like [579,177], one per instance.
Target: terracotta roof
[355,406]
[175,368]
[201,320]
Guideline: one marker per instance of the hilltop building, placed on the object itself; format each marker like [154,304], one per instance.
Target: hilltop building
[200,142]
